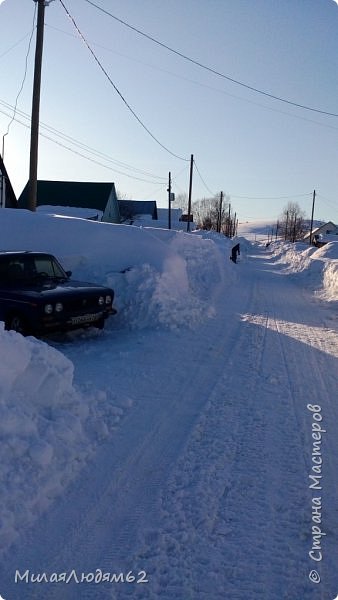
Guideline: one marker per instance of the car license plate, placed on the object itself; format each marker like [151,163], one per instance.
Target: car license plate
[85,319]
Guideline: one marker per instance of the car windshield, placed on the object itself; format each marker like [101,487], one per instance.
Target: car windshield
[28,268]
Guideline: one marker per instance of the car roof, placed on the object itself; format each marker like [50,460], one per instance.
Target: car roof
[18,252]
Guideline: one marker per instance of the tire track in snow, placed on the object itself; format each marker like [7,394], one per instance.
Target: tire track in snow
[210,497]
[204,478]
[290,518]
[251,520]
[314,376]
[97,524]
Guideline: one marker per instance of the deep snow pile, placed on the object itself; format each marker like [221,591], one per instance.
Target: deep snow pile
[160,277]
[318,266]
[71,211]
[47,427]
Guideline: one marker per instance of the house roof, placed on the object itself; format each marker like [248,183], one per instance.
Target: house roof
[10,200]
[129,209]
[321,228]
[81,194]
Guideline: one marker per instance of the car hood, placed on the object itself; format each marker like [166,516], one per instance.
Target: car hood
[49,288]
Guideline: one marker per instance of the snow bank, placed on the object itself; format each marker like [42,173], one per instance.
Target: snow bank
[71,211]
[47,427]
[160,277]
[318,266]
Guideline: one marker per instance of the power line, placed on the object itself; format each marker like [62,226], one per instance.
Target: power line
[271,197]
[83,155]
[201,178]
[250,197]
[200,84]
[14,45]
[175,177]
[147,196]
[116,88]
[83,146]
[210,69]
[22,83]
[328,202]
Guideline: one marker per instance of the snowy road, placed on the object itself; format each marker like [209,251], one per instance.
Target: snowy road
[205,485]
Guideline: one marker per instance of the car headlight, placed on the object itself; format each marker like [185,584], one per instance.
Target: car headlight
[108,300]
[48,309]
[59,307]
[101,300]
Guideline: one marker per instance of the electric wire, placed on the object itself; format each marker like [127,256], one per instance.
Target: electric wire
[116,88]
[327,201]
[83,146]
[78,153]
[174,176]
[201,178]
[22,83]
[290,196]
[14,45]
[149,195]
[204,85]
[272,197]
[210,69]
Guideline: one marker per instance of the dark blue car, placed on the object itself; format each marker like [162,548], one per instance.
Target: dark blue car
[37,296]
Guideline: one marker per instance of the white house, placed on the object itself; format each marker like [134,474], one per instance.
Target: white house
[323,234]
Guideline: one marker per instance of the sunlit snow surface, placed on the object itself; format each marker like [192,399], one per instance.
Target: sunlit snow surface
[178,440]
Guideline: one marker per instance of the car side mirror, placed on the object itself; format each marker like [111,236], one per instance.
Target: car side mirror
[68,273]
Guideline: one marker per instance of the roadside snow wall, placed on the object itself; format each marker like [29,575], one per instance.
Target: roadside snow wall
[48,429]
[317,266]
[161,278]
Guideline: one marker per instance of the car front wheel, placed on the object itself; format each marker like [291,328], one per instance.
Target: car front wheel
[17,323]
[100,323]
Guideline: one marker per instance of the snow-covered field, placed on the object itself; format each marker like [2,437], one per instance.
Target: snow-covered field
[176,446]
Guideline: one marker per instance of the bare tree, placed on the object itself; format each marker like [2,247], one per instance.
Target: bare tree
[206,212]
[181,201]
[291,222]
[122,195]
[211,213]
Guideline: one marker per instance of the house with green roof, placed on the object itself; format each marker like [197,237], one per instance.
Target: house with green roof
[94,196]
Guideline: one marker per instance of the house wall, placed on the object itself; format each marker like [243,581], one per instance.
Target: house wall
[112,212]
[326,228]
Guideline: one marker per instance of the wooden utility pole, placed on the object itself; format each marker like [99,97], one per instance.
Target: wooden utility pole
[33,163]
[286,225]
[219,220]
[277,227]
[234,226]
[312,213]
[169,201]
[190,191]
[294,229]
[229,222]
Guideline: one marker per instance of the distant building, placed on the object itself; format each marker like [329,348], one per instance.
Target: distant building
[7,195]
[100,197]
[324,233]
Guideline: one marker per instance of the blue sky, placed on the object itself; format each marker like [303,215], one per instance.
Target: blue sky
[262,152]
